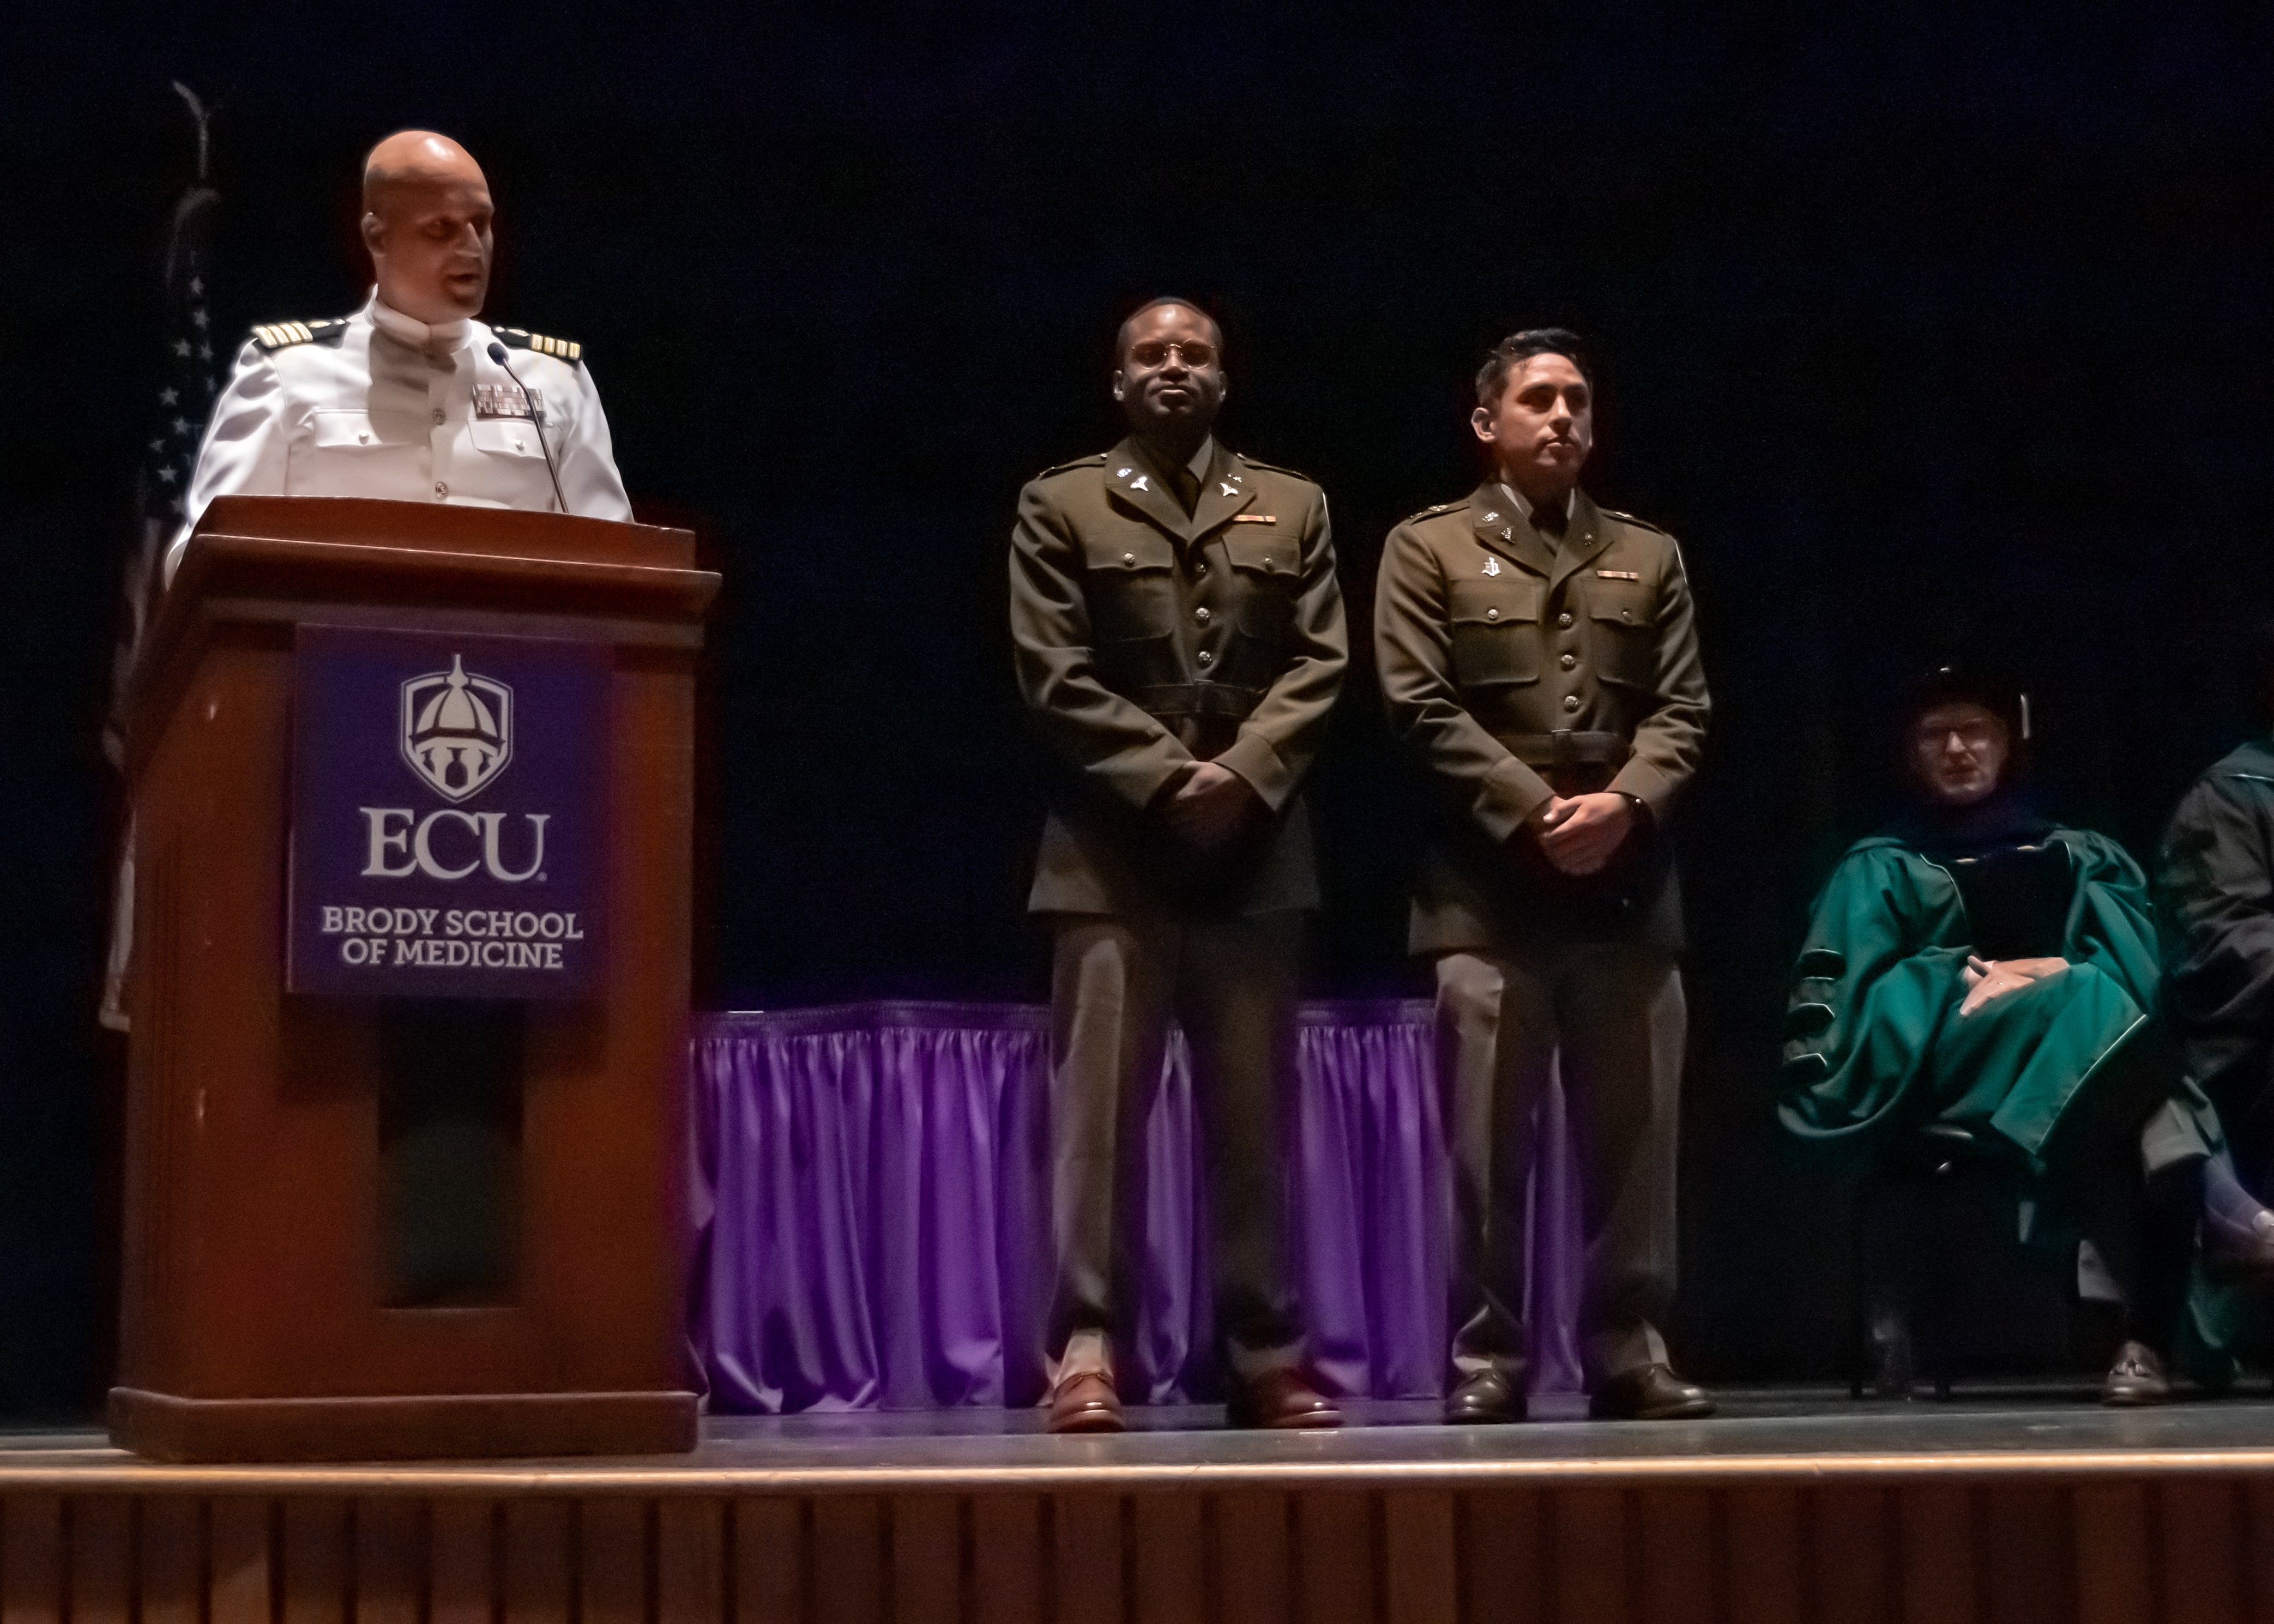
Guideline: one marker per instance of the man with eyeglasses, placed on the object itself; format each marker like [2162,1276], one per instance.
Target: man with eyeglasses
[1179,638]
[1540,652]
[1980,982]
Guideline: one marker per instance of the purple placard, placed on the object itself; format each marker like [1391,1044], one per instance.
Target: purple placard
[448,815]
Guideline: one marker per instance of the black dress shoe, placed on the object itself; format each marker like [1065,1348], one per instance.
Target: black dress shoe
[2137,1378]
[1651,1393]
[1085,1403]
[1483,1399]
[1281,1398]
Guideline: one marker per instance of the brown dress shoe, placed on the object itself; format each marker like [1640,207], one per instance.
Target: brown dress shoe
[1085,1402]
[1281,1398]
[2137,1378]
[1483,1399]
[1652,1392]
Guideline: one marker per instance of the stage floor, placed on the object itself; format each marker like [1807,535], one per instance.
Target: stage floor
[1793,1505]
[1761,1432]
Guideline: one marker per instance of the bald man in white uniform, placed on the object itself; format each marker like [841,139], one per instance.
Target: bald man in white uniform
[402,401]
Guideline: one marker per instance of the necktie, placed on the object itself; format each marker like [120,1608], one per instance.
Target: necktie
[1188,488]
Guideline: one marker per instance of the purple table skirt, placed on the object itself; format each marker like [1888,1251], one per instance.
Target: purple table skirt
[872,1189]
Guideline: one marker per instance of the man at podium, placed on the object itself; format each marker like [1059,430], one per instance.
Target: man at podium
[411,399]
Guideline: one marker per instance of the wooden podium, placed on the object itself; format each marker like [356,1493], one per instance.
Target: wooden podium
[255,1322]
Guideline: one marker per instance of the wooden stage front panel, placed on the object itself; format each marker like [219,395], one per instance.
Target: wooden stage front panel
[1927,1514]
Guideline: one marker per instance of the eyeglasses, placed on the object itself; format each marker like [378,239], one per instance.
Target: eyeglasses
[1155,352]
[1971,735]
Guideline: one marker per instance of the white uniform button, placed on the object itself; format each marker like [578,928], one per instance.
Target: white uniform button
[441,489]
[1128,558]
[519,444]
[1570,702]
[438,419]
[1202,615]
[1492,615]
[1563,619]
[363,437]
[1207,659]
[1570,660]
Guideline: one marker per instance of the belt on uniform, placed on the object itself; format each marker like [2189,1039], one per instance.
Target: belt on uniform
[1567,747]
[1224,700]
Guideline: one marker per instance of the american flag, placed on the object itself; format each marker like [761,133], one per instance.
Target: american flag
[182,388]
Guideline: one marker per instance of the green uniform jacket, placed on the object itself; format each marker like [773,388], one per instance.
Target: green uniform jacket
[1873,1034]
[1491,643]
[1146,640]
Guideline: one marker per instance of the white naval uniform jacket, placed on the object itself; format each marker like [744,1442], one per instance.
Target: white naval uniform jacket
[349,409]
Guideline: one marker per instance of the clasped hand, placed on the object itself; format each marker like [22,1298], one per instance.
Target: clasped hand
[1582,834]
[1988,979]
[1209,806]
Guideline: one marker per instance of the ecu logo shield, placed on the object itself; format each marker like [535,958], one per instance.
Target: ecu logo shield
[457,730]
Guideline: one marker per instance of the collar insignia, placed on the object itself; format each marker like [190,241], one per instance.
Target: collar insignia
[1492,565]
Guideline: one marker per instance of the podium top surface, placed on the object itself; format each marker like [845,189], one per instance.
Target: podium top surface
[506,533]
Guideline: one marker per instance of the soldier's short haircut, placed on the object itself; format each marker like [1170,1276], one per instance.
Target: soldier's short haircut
[1121,334]
[1492,377]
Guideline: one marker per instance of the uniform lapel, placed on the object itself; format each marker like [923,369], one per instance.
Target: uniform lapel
[1501,529]
[1131,476]
[1225,490]
[1584,538]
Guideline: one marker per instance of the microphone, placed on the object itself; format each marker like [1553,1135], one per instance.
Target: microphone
[535,423]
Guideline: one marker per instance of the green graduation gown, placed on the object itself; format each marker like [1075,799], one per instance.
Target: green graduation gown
[1873,1038]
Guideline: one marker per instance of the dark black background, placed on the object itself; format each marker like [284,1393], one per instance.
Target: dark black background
[1947,322]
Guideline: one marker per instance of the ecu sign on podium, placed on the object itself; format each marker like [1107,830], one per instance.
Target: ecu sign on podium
[413,793]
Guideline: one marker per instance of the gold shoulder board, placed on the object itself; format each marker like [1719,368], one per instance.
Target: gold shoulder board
[559,349]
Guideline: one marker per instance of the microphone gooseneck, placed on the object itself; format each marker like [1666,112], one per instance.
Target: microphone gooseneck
[535,423]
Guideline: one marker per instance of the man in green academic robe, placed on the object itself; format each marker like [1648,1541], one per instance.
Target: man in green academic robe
[1981,969]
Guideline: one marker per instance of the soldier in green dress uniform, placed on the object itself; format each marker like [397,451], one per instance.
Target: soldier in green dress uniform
[1179,640]
[1540,654]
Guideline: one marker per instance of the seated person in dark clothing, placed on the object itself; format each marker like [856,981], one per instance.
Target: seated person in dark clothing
[2214,885]
[1981,971]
